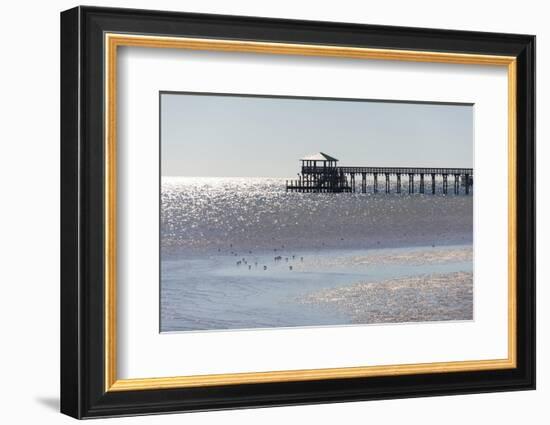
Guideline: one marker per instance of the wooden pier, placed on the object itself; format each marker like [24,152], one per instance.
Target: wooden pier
[320,173]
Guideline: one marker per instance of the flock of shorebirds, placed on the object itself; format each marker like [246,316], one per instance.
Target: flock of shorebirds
[244,261]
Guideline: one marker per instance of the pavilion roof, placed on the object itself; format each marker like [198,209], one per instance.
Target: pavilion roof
[319,156]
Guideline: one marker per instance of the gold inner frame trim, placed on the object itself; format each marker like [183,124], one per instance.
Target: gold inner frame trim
[113,41]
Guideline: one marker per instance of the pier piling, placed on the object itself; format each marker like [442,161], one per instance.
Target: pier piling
[411,182]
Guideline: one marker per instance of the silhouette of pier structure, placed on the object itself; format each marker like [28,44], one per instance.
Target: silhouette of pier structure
[321,174]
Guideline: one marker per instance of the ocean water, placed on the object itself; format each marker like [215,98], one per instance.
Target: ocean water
[241,253]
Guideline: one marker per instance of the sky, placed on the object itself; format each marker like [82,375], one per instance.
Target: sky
[242,136]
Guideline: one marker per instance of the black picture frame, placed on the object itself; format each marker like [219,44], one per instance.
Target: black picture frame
[83,392]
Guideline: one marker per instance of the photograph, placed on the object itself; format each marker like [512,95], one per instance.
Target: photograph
[282,212]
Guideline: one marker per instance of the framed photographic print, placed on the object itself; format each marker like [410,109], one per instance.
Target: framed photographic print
[261,212]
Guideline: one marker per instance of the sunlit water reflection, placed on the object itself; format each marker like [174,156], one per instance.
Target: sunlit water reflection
[221,239]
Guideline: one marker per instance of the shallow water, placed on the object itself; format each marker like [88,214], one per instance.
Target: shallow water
[212,292]
[208,225]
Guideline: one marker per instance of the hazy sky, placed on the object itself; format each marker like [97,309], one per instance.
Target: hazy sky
[232,136]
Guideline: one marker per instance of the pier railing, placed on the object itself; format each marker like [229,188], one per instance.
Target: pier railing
[389,170]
